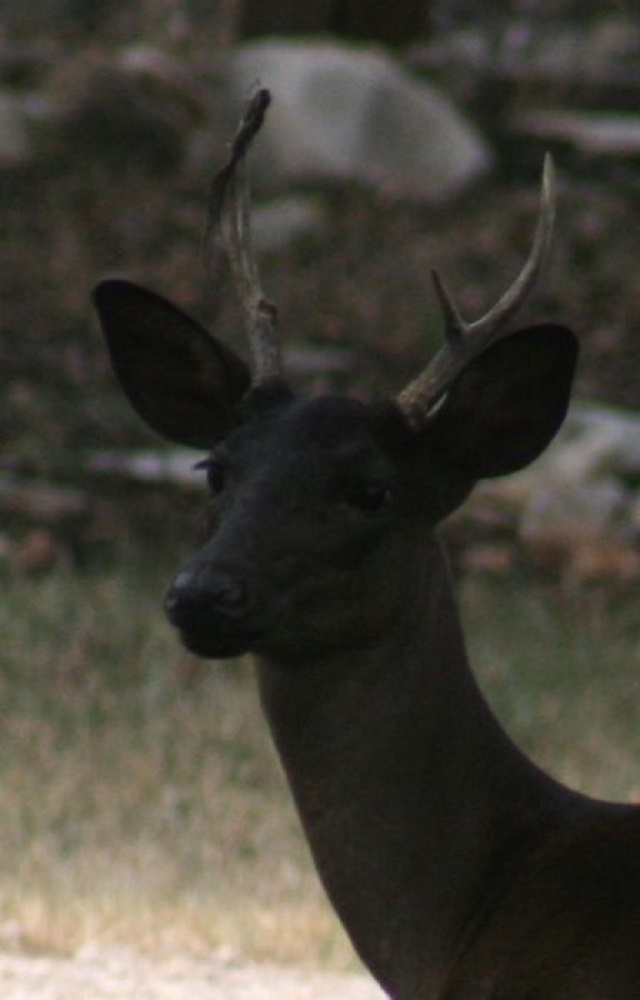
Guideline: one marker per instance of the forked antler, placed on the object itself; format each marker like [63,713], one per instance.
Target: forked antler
[465,341]
[229,215]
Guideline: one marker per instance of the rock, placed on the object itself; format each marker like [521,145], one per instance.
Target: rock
[595,442]
[174,465]
[591,133]
[344,114]
[576,511]
[582,516]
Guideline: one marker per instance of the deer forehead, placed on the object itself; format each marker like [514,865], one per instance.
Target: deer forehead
[324,434]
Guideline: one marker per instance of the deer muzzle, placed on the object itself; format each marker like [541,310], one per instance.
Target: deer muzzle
[212,613]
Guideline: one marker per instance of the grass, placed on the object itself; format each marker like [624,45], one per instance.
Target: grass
[140,803]
[562,671]
[140,798]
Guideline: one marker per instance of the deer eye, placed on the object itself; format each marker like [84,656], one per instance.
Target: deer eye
[215,474]
[369,497]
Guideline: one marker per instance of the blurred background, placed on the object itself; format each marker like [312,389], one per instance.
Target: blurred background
[402,137]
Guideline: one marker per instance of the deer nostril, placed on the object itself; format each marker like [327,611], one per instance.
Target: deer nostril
[193,602]
[229,597]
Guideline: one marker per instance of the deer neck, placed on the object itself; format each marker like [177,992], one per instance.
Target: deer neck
[414,801]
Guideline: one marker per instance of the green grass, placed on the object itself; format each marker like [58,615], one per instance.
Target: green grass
[140,799]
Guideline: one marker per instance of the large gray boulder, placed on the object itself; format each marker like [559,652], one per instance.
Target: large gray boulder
[343,113]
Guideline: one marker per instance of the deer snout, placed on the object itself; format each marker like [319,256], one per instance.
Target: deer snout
[191,603]
[213,614]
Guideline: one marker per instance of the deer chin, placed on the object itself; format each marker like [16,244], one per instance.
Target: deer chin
[218,645]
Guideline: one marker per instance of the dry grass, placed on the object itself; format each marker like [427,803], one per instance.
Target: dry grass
[563,672]
[139,807]
[141,801]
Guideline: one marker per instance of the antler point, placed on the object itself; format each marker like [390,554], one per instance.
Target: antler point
[454,325]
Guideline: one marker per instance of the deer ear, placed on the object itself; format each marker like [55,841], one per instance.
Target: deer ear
[507,405]
[183,382]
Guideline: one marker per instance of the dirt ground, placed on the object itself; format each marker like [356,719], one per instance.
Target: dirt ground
[122,975]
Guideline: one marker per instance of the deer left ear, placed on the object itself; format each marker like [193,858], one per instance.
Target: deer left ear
[185,384]
[507,404]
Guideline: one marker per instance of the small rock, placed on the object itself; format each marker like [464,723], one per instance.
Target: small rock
[595,134]
[597,507]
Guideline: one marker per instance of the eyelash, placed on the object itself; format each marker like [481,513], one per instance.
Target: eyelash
[214,472]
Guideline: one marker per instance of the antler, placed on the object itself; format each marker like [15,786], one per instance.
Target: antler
[465,341]
[229,215]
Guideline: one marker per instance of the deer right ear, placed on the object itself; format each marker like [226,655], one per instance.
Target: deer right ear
[507,404]
[183,382]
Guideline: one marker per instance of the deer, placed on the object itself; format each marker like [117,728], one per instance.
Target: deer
[458,867]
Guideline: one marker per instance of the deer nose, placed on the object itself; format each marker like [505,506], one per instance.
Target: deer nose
[192,602]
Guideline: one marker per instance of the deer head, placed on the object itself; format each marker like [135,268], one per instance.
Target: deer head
[315,503]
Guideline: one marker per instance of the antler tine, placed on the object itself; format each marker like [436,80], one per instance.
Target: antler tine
[465,340]
[230,216]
